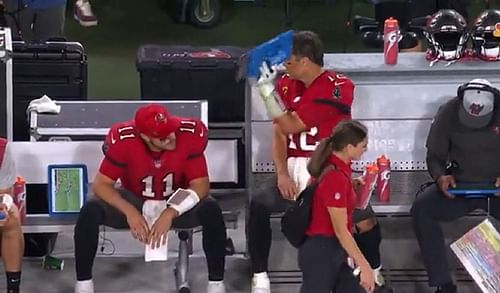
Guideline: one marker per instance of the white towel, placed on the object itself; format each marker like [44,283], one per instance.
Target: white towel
[44,104]
[297,169]
[151,210]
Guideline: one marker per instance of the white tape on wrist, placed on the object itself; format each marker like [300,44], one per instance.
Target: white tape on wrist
[182,200]
[274,106]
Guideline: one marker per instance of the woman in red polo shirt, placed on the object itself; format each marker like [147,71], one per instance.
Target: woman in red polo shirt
[323,256]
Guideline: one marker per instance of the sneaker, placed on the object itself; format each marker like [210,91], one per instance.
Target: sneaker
[84,286]
[83,13]
[447,288]
[261,283]
[216,287]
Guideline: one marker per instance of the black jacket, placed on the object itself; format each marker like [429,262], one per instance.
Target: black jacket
[475,153]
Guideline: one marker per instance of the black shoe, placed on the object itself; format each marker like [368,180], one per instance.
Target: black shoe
[383,289]
[447,288]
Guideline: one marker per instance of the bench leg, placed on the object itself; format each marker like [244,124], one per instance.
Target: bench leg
[182,266]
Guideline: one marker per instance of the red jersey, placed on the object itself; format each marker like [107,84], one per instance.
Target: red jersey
[155,175]
[334,190]
[320,106]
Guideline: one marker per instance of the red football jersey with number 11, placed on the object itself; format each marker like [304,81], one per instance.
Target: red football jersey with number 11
[155,175]
[322,105]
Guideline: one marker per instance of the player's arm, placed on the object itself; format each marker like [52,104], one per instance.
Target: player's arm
[112,167]
[104,188]
[279,151]
[196,173]
[290,123]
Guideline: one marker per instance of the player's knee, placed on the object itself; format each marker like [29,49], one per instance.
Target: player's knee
[210,212]
[366,224]
[91,214]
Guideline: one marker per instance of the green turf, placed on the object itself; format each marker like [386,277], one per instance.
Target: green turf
[124,25]
[68,190]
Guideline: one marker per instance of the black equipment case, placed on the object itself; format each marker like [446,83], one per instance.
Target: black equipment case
[185,72]
[57,69]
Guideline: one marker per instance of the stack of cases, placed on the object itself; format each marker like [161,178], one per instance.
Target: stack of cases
[55,69]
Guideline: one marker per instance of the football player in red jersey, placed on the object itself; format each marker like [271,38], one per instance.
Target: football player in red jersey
[305,104]
[11,234]
[152,156]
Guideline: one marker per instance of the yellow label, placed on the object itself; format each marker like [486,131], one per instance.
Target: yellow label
[496,32]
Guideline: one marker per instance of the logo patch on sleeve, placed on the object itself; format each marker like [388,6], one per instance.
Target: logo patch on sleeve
[337,196]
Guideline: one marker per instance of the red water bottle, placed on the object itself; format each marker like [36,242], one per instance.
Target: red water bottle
[384,176]
[365,191]
[20,197]
[391,40]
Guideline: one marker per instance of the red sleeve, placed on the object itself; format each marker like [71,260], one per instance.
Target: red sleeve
[333,190]
[197,140]
[115,152]
[331,98]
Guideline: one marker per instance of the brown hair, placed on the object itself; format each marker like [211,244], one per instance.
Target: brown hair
[308,44]
[347,132]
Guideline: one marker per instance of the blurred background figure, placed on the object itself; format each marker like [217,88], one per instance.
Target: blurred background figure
[38,20]
[83,13]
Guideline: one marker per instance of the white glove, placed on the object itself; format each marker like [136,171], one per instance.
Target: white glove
[271,99]
[266,80]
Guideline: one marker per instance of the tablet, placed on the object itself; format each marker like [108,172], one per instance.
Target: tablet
[67,188]
[475,189]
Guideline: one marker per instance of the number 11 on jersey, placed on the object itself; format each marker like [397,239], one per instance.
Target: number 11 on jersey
[148,182]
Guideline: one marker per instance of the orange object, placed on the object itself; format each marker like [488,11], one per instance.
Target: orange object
[19,197]
[496,32]
[391,41]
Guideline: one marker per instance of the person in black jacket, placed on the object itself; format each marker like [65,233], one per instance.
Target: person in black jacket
[463,146]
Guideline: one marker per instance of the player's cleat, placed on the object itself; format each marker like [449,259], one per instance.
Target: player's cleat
[86,286]
[216,287]
[261,283]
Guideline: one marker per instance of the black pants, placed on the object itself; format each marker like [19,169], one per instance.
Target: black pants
[266,200]
[322,261]
[96,212]
[432,207]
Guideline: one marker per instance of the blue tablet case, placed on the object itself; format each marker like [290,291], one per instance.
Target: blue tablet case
[475,189]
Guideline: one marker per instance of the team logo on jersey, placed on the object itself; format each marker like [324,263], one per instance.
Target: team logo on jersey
[157,164]
[297,99]
[284,90]
[160,117]
[336,93]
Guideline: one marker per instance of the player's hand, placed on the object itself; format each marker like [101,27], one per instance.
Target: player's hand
[497,184]
[266,80]
[444,182]
[138,226]
[159,230]
[367,279]
[287,187]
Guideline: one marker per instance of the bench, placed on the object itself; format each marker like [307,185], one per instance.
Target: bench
[397,104]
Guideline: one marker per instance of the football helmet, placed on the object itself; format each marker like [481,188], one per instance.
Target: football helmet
[446,33]
[485,45]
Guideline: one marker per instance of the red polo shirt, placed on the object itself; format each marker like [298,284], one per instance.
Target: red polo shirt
[334,190]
